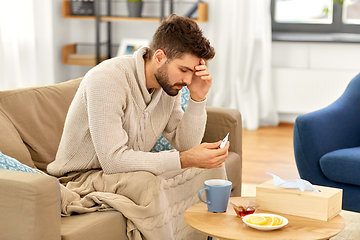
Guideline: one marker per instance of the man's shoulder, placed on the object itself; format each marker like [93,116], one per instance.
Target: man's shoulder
[123,63]
[114,69]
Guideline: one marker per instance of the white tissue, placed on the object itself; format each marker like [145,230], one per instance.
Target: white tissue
[301,184]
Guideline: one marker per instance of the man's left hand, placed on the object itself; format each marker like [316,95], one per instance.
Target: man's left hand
[201,82]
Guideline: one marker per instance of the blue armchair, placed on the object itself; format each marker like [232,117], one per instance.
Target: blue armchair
[327,145]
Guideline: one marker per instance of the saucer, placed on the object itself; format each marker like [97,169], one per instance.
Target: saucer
[265,227]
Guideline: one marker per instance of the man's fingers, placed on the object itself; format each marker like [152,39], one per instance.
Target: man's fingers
[202,73]
[212,146]
[201,67]
[217,162]
[205,155]
[215,146]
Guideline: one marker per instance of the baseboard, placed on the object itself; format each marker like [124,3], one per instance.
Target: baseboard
[288,117]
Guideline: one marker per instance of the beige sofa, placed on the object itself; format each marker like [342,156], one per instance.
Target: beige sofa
[31,124]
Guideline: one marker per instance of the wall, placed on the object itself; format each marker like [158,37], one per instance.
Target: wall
[309,76]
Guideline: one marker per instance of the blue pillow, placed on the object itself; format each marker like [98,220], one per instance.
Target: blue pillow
[9,163]
[162,144]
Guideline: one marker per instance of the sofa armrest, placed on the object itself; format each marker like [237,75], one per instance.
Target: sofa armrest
[29,206]
[221,121]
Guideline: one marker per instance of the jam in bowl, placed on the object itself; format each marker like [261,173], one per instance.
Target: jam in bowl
[243,210]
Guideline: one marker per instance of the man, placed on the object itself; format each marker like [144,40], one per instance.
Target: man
[124,104]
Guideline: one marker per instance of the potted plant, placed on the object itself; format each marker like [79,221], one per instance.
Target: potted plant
[135,7]
[341,2]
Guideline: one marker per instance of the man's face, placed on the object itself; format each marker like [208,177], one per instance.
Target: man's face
[174,74]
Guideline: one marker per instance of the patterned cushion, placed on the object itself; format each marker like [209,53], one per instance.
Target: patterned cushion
[9,163]
[162,144]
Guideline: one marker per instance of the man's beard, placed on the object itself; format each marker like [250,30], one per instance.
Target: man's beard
[162,78]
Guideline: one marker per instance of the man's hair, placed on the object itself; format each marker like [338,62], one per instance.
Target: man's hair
[178,35]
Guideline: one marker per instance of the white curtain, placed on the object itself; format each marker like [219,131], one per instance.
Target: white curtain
[240,31]
[26,44]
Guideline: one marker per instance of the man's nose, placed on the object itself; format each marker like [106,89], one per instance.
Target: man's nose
[187,80]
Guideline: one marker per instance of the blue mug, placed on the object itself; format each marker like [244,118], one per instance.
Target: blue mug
[217,194]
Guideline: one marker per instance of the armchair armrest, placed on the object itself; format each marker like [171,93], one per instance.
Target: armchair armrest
[221,121]
[29,206]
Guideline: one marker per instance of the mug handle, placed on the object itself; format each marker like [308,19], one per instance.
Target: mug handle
[199,195]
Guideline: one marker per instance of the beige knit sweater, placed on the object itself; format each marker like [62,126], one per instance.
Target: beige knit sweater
[113,122]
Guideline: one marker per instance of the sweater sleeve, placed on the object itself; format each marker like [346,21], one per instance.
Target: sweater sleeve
[106,102]
[186,130]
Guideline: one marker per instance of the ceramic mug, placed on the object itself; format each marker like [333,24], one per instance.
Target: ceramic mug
[217,193]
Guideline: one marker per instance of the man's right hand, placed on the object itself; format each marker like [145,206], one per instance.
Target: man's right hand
[205,155]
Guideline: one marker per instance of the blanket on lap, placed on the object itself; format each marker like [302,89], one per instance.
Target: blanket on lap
[153,205]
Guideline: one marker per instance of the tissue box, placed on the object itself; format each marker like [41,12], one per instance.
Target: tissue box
[323,205]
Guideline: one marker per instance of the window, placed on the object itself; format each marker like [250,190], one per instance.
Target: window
[316,16]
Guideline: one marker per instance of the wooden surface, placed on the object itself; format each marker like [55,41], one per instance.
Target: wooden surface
[268,149]
[71,57]
[229,226]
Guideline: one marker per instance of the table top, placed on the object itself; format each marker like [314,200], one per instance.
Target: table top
[229,226]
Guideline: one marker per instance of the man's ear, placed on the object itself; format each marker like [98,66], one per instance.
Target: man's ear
[159,56]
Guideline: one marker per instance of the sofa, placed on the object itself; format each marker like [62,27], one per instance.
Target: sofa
[327,145]
[31,124]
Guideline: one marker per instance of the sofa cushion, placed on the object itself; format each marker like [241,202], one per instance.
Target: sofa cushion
[342,165]
[109,225]
[38,115]
[11,143]
[9,163]
[162,144]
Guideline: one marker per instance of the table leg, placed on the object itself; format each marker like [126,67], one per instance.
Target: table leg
[209,238]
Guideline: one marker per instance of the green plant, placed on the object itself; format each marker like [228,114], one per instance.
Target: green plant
[134,0]
[341,2]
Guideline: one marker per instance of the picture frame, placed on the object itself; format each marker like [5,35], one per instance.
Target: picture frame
[129,45]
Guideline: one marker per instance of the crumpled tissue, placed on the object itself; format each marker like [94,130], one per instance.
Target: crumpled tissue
[301,184]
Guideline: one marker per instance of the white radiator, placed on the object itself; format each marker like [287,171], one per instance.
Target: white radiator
[299,91]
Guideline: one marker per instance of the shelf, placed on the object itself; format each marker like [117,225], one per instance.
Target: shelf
[116,18]
[66,13]
[71,57]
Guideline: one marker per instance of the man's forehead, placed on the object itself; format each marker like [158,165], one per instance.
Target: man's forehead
[188,61]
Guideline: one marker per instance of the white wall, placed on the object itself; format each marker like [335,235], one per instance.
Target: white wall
[310,76]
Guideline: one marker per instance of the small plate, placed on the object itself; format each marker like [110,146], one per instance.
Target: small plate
[263,227]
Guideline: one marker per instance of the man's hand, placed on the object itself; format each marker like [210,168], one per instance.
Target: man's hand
[205,155]
[201,82]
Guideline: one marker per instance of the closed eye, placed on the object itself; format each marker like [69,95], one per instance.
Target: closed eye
[185,69]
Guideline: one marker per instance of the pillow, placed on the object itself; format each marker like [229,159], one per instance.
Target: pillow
[342,165]
[9,163]
[162,144]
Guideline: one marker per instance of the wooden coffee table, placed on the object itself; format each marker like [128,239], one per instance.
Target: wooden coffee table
[229,226]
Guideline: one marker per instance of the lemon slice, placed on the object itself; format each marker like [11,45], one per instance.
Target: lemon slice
[269,221]
[257,220]
[276,221]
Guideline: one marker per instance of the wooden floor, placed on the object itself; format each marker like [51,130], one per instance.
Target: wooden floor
[268,149]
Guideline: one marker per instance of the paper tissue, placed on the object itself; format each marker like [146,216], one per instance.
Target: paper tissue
[300,198]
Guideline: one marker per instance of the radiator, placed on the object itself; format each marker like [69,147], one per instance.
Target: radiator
[299,91]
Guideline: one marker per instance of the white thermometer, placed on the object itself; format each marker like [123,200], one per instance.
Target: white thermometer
[223,142]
